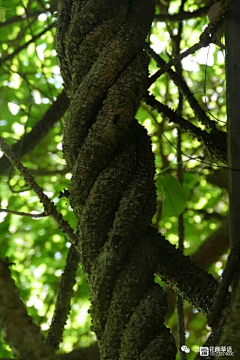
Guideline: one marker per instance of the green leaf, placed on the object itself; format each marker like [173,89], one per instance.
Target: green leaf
[3,13]
[174,195]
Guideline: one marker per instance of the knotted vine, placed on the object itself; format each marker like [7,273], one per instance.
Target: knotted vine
[105,70]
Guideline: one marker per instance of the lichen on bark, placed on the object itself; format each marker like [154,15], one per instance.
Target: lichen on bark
[105,71]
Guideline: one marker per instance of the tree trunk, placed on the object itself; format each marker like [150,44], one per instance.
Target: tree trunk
[105,70]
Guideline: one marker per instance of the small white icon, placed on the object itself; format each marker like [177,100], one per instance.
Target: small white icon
[204,351]
[185,349]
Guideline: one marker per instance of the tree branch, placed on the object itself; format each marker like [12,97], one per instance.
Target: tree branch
[205,40]
[63,303]
[213,247]
[215,142]
[31,139]
[49,206]
[183,15]
[184,89]
[20,213]
[25,45]
[182,275]
[22,335]
[19,18]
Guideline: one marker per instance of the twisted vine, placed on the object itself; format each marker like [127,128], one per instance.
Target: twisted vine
[104,67]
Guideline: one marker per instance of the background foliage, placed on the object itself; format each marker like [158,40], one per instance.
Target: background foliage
[30,82]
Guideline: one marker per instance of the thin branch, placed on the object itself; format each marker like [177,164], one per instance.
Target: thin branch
[176,60]
[63,303]
[20,213]
[31,139]
[19,18]
[174,117]
[205,40]
[49,206]
[184,89]
[183,15]
[25,45]
[215,142]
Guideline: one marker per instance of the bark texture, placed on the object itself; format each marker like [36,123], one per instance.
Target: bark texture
[104,67]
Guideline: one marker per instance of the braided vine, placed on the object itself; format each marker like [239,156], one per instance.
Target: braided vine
[105,71]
